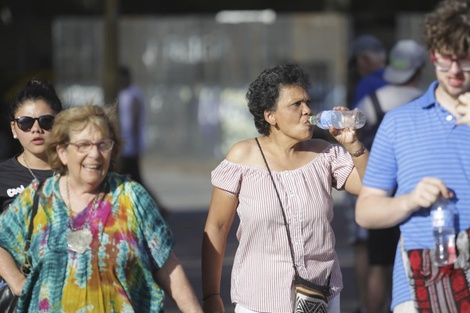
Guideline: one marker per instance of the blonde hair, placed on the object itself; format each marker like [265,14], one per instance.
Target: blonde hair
[77,118]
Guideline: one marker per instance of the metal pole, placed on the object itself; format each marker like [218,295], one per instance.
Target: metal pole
[111,55]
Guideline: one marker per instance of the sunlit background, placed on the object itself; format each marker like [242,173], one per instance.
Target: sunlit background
[193,59]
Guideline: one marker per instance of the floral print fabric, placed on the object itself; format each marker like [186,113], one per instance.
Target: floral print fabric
[130,242]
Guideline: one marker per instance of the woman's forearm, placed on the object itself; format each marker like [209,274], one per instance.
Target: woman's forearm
[213,251]
[175,282]
[10,273]
[381,211]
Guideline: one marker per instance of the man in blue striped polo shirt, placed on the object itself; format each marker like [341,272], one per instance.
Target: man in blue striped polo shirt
[421,150]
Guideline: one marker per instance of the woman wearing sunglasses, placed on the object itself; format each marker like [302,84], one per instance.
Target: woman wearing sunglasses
[32,115]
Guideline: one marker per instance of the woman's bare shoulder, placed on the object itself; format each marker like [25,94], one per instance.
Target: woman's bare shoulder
[242,151]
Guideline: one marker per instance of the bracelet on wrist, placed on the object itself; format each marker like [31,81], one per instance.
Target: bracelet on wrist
[211,295]
[359,152]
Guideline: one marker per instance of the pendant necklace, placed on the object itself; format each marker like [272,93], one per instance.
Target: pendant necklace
[79,239]
[29,169]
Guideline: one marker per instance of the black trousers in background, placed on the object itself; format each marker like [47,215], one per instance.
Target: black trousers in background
[131,166]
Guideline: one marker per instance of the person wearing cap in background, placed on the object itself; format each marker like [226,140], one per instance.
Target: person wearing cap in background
[368,56]
[403,72]
[402,75]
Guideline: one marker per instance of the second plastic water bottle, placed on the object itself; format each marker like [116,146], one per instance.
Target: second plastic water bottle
[339,119]
[442,214]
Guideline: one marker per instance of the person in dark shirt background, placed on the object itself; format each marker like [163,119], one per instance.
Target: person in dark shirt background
[31,117]
[369,57]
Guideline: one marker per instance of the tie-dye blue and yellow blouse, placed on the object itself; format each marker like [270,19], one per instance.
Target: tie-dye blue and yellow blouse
[130,242]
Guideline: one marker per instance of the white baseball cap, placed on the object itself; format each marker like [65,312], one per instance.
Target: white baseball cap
[406,57]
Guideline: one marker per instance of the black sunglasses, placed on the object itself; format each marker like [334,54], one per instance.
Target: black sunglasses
[25,123]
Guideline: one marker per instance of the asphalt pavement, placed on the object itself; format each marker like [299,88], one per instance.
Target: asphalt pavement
[184,187]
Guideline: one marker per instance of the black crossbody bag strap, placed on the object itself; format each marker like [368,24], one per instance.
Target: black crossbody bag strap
[297,276]
[282,209]
[379,113]
[34,210]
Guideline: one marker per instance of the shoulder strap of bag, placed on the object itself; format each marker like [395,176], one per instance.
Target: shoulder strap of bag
[378,110]
[283,216]
[367,133]
[282,209]
[33,214]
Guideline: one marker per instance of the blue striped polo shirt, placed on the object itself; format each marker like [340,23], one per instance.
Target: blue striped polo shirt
[415,140]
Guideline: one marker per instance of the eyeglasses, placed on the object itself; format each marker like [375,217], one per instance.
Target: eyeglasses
[84,146]
[25,123]
[443,63]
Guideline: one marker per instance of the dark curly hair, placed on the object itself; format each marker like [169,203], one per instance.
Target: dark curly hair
[448,28]
[263,93]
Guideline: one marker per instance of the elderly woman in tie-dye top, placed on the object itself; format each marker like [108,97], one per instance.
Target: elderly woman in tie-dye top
[99,244]
[304,170]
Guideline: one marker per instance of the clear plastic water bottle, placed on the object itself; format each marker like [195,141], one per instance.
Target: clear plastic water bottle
[339,119]
[442,214]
